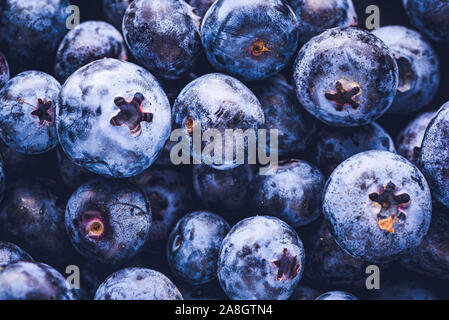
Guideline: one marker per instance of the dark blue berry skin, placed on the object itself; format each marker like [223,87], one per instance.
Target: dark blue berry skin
[337,295]
[87,42]
[193,246]
[434,155]
[283,112]
[71,175]
[409,140]
[292,193]
[224,191]
[32,216]
[251,39]
[431,257]
[30,32]
[10,253]
[418,64]
[113,119]
[314,17]
[328,266]
[108,221]
[334,145]
[2,178]
[170,196]
[114,10]
[217,101]
[137,284]
[201,6]
[25,280]
[304,293]
[407,290]
[429,17]
[4,70]
[163,35]
[27,115]
[345,77]
[261,258]
[208,291]
[378,205]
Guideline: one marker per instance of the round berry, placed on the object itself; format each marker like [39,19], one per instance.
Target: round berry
[10,253]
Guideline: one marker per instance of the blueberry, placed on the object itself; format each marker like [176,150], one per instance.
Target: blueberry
[378,204]
[407,290]
[87,42]
[418,68]
[193,246]
[429,17]
[25,280]
[327,265]
[434,157]
[223,191]
[4,70]
[27,115]
[163,35]
[108,221]
[292,193]
[32,216]
[283,112]
[217,101]
[201,6]
[10,253]
[337,295]
[431,257]
[346,77]
[72,175]
[30,31]
[170,196]
[137,284]
[334,145]
[408,142]
[314,17]
[114,118]
[251,39]
[114,10]
[260,258]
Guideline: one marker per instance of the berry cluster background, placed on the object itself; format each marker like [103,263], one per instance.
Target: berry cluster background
[93,207]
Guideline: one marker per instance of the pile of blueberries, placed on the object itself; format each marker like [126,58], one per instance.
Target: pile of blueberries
[93,207]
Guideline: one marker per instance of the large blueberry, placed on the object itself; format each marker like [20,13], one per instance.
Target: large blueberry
[170,196]
[260,258]
[217,101]
[409,140]
[4,70]
[193,246]
[346,77]
[114,118]
[251,39]
[30,31]
[137,284]
[25,280]
[108,221]
[33,217]
[223,191]
[429,17]
[434,155]
[327,265]
[337,295]
[431,257]
[10,253]
[27,112]
[378,204]
[87,42]
[114,10]
[418,67]
[163,35]
[283,112]
[316,16]
[292,193]
[334,145]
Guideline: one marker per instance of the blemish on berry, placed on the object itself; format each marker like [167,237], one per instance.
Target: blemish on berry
[345,93]
[288,266]
[257,48]
[42,111]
